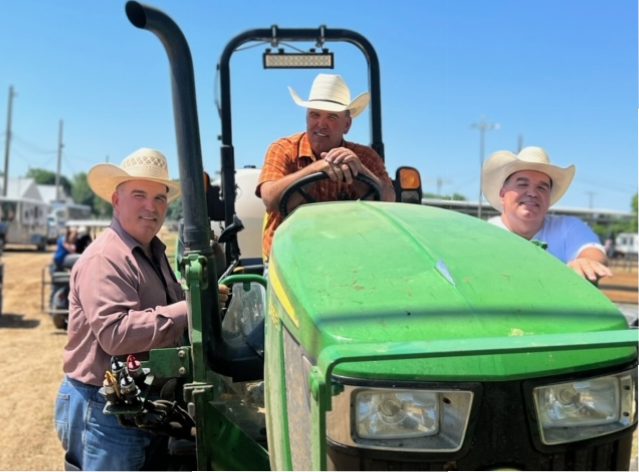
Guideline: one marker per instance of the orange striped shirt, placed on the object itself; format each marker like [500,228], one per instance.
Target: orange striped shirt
[288,155]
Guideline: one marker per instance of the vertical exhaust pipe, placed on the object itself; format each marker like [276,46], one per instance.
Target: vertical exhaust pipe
[196,233]
[236,361]
[196,223]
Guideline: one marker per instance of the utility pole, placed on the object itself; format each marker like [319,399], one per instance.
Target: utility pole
[7,143]
[57,173]
[590,199]
[440,182]
[482,126]
[520,143]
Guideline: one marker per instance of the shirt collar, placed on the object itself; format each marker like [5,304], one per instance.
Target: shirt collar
[304,148]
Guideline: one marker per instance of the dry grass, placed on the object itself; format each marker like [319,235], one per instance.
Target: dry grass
[622,286]
[31,371]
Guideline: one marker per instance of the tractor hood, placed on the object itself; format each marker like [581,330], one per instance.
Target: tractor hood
[373,272]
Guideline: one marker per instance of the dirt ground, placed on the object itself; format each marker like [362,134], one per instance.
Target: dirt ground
[622,288]
[31,369]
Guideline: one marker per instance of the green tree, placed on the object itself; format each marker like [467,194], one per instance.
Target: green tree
[101,208]
[634,228]
[175,211]
[46,177]
[625,226]
[82,193]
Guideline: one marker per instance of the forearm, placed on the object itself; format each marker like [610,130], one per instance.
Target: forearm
[590,263]
[140,330]
[388,192]
[272,191]
[593,254]
[126,311]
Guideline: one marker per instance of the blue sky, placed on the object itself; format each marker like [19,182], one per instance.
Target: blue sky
[561,74]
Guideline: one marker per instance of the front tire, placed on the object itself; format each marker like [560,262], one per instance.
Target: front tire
[60,307]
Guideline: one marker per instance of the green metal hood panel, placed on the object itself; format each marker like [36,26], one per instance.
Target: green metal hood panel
[358,272]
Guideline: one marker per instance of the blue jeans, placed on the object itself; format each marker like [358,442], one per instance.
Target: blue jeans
[91,439]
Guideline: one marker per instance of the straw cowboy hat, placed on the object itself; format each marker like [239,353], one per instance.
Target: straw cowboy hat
[329,92]
[144,164]
[503,164]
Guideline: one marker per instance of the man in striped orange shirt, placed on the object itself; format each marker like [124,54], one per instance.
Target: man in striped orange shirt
[321,148]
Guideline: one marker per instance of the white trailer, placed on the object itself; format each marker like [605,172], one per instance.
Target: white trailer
[627,244]
[23,221]
[60,213]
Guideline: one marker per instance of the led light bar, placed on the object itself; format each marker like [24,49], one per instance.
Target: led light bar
[298,60]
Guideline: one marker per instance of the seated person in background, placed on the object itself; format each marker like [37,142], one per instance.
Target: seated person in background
[522,187]
[65,247]
[84,239]
[321,148]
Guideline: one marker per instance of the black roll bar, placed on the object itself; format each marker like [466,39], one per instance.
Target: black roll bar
[289,34]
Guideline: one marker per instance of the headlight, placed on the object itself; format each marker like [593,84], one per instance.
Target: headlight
[583,409]
[400,419]
[389,414]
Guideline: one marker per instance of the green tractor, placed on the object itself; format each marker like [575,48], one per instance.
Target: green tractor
[386,335]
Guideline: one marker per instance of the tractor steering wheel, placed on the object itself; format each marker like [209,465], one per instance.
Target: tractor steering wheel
[374,191]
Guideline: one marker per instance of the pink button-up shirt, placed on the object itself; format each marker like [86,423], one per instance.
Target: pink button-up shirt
[120,303]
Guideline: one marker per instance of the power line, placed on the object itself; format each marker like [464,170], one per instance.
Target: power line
[33,147]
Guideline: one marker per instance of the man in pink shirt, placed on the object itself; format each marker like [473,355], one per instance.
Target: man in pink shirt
[124,299]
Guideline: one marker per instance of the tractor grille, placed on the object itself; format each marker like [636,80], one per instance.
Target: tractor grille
[500,435]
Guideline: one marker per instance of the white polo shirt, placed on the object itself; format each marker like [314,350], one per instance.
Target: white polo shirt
[566,236]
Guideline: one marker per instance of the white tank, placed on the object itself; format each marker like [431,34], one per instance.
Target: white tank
[250,209]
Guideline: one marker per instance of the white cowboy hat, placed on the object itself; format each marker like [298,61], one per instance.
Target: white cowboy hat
[143,164]
[329,92]
[503,164]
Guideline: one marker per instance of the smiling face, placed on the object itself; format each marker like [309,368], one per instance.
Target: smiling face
[525,196]
[140,207]
[326,129]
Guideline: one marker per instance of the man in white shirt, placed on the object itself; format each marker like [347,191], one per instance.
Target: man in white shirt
[522,187]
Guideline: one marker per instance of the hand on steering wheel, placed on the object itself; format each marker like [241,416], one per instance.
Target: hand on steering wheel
[297,187]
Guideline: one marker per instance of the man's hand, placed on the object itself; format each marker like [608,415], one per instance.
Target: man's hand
[344,164]
[339,164]
[222,294]
[589,268]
